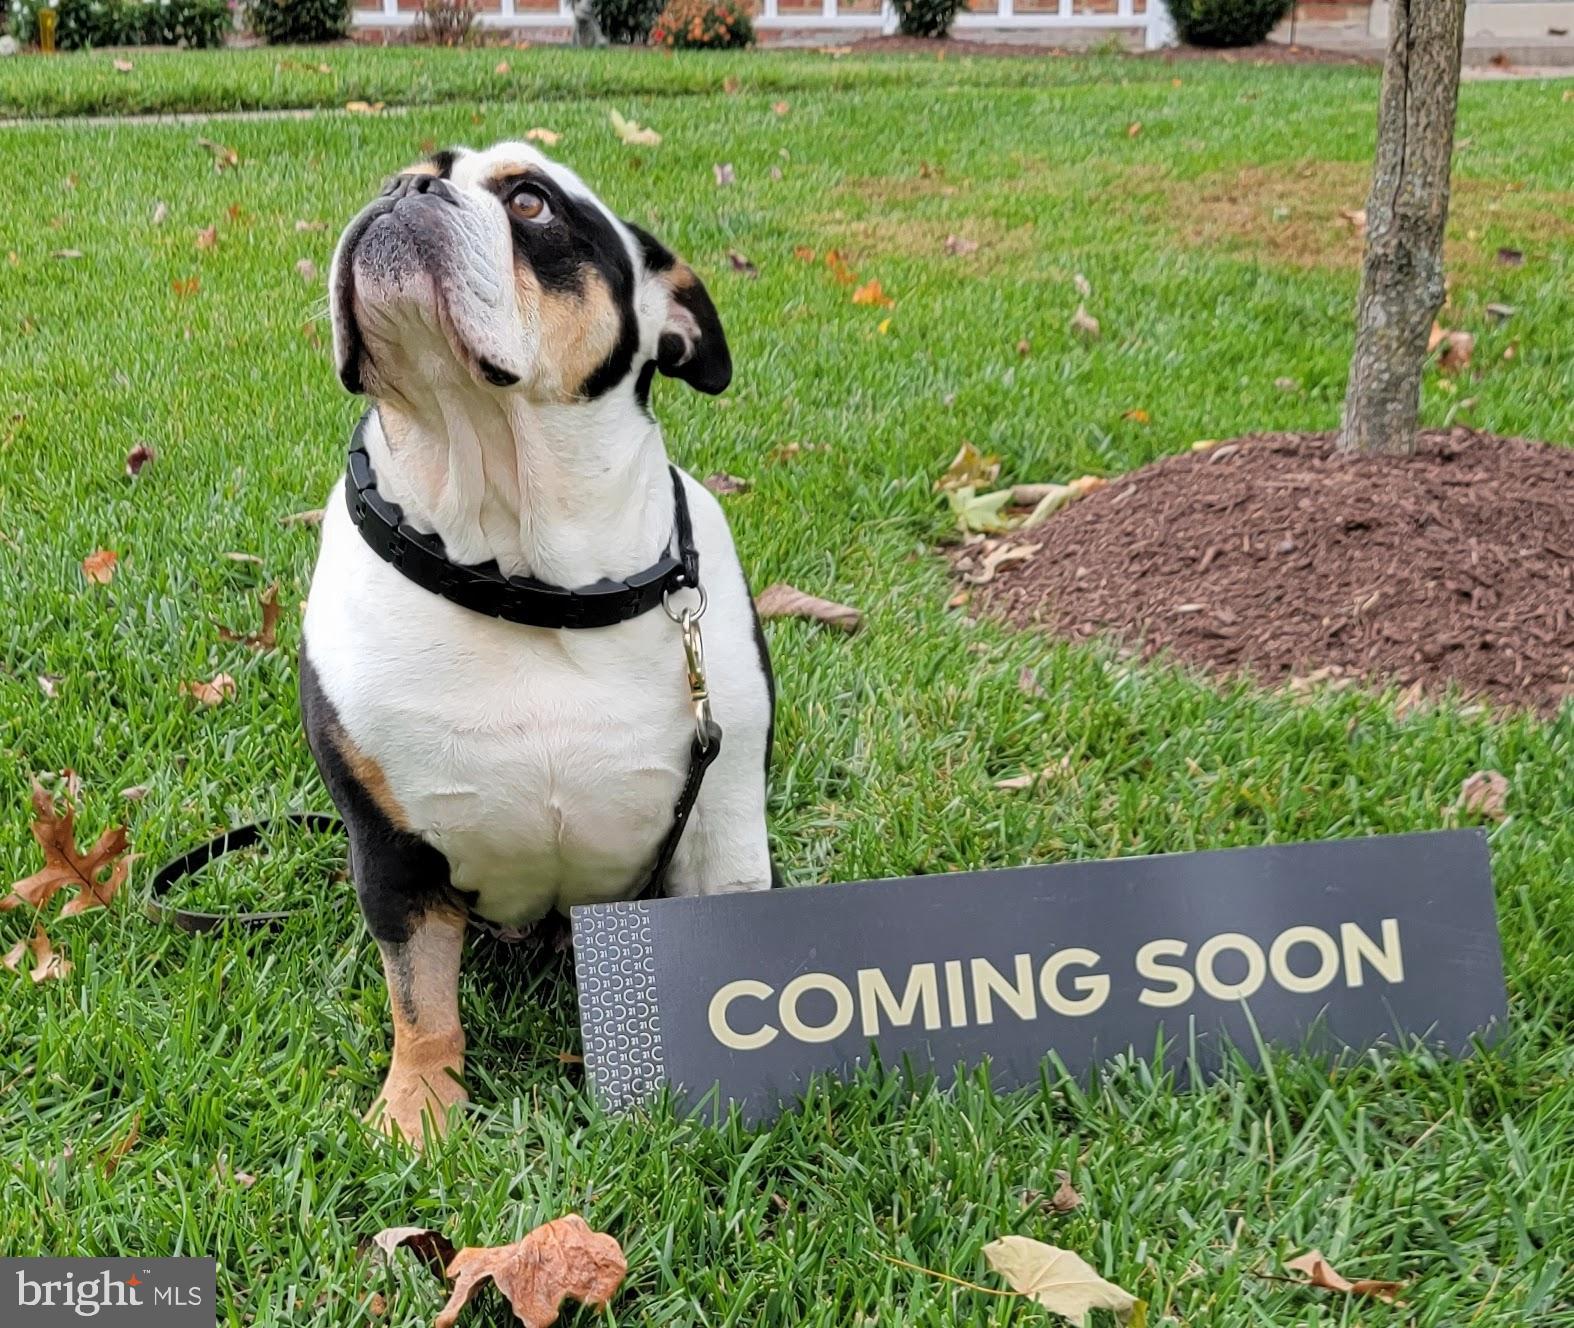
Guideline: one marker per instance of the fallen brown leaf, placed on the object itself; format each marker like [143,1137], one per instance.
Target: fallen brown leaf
[364,107]
[1028,683]
[265,637]
[872,293]
[66,255]
[138,457]
[957,245]
[1484,793]
[838,266]
[1065,1198]
[123,66]
[186,287]
[724,174]
[780,107]
[784,601]
[208,237]
[94,875]
[1356,217]
[803,253]
[1085,325]
[306,270]
[210,693]
[1457,348]
[48,964]
[720,482]
[99,566]
[560,1259]
[49,685]
[304,227]
[1511,257]
[1321,1274]
[501,67]
[312,516]
[741,264]
[433,1248]
[1134,128]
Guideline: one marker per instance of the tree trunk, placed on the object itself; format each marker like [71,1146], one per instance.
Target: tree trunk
[587,32]
[1402,275]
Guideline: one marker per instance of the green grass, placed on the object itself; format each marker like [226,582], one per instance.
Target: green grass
[264,1050]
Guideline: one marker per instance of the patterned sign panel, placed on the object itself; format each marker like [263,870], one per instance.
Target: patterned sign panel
[1316,947]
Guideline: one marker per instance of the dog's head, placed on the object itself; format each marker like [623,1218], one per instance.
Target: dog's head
[499,271]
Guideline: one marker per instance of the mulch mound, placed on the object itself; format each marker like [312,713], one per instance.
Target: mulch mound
[1275,557]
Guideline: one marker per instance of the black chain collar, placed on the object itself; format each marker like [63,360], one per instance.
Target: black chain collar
[485,589]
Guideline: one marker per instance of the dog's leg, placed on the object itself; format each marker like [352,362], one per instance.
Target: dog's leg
[429,1045]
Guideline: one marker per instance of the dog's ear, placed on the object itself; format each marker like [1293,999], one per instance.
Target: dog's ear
[691,345]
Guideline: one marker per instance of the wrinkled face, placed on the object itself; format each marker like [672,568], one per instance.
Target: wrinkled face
[499,271]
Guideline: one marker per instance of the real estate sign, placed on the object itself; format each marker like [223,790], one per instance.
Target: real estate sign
[1316,947]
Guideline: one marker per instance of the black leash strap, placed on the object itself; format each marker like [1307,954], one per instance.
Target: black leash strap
[231,841]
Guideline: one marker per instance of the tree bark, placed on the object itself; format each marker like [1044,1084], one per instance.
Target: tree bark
[587,32]
[1402,275]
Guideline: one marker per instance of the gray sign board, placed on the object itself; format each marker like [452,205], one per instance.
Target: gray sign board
[1316,947]
[118,1292]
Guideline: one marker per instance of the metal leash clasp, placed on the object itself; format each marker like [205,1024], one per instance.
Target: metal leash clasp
[688,620]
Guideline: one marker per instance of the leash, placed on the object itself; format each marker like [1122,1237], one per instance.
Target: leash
[485,589]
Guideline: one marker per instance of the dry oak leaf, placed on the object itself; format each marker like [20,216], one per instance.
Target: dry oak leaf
[784,601]
[94,875]
[548,137]
[265,637]
[1320,1273]
[99,566]
[1059,1280]
[47,962]
[210,693]
[560,1259]
[1484,793]
[871,292]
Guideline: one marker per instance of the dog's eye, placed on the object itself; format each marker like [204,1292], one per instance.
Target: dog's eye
[528,205]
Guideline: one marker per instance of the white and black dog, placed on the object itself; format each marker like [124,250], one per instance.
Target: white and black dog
[506,326]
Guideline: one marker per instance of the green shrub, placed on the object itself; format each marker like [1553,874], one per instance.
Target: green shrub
[626,21]
[446,22]
[296,21]
[927,18]
[703,25]
[1227,22]
[86,24]
[191,23]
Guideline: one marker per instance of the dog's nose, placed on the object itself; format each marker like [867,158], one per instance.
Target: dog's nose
[402,186]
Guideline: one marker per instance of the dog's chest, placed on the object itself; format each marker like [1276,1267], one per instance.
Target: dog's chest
[544,765]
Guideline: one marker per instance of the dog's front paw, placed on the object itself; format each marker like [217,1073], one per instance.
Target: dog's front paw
[414,1101]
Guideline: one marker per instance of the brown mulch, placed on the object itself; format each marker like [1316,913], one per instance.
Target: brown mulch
[1264,53]
[1276,558]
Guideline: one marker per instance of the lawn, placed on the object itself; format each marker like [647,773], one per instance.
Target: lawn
[1210,235]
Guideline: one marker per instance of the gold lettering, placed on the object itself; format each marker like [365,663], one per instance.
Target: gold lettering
[723,1032]
[875,994]
[1208,953]
[1094,987]
[989,981]
[1279,959]
[1181,986]
[834,987]
[1387,959]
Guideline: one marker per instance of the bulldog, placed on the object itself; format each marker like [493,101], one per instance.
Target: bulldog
[503,681]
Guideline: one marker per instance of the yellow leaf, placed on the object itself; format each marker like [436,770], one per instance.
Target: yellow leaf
[1057,1279]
